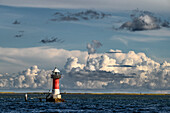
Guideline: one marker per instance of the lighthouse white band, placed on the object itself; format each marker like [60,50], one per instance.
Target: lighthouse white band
[56,91]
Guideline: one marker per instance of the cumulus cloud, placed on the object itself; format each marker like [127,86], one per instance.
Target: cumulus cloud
[144,20]
[93,46]
[30,78]
[114,51]
[97,72]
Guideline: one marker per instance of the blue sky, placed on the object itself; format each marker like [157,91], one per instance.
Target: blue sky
[36,24]
[19,53]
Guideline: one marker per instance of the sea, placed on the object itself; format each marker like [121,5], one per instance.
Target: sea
[86,103]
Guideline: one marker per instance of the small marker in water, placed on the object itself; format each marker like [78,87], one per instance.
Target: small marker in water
[26,97]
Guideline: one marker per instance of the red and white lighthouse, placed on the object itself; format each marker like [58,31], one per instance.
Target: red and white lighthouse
[55,89]
[55,96]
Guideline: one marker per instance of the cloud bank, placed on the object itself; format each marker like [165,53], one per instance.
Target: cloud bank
[20,58]
[30,78]
[97,73]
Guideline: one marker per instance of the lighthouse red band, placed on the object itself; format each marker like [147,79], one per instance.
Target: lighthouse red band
[56,89]
[55,83]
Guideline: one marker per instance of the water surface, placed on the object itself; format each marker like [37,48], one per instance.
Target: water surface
[86,103]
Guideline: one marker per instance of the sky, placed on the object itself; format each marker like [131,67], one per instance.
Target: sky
[152,5]
[99,45]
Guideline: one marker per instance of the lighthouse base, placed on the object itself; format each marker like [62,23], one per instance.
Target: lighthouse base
[55,98]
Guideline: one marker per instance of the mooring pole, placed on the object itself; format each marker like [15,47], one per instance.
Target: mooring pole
[26,97]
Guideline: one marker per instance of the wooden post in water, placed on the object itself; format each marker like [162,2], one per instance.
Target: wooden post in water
[26,97]
[40,99]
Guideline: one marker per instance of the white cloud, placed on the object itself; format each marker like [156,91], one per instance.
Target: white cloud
[45,57]
[144,74]
[153,5]
[30,78]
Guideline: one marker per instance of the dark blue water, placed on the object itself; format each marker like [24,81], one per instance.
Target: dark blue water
[87,103]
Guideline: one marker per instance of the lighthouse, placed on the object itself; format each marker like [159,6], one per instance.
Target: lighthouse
[55,96]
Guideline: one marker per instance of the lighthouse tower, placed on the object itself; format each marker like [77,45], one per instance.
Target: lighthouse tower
[55,96]
[56,76]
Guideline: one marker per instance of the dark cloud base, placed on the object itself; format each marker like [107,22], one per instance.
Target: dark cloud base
[83,15]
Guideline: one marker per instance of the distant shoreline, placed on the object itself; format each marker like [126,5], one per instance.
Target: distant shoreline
[87,93]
